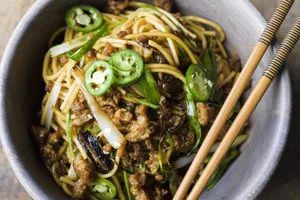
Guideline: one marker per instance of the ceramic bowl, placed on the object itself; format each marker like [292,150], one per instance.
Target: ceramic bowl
[21,91]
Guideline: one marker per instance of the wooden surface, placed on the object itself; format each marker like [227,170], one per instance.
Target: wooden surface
[284,184]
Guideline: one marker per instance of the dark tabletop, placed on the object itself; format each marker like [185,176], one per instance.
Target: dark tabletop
[284,184]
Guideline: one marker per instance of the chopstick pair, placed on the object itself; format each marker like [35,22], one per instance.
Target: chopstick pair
[249,106]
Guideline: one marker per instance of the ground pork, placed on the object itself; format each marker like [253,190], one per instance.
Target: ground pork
[108,49]
[84,169]
[152,163]
[122,117]
[183,141]
[79,190]
[40,134]
[139,130]
[164,4]
[117,6]
[136,152]
[122,34]
[81,111]
[202,111]
[48,154]
[137,181]
[60,166]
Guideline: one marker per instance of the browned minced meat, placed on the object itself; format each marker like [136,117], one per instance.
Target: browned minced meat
[60,166]
[111,99]
[202,111]
[235,63]
[139,194]
[184,142]
[143,40]
[141,110]
[48,154]
[107,148]
[82,118]
[136,152]
[54,138]
[122,150]
[152,163]
[126,161]
[117,6]
[122,34]
[63,59]
[164,4]
[159,194]
[122,117]
[40,134]
[49,146]
[81,111]
[84,169]
[79,190]
[81,97]
[137,181]
[139,130]
[148,144]
[108,49]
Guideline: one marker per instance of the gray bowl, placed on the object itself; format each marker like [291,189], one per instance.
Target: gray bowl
[22,89]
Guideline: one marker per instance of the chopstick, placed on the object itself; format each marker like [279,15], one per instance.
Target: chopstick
[236,92]
[261,87]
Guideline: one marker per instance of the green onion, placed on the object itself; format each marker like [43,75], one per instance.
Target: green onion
[73,44]
[89,44]
[125,177]
[143,102]
[69,135]
[119,187]
[147,85]
[220,171]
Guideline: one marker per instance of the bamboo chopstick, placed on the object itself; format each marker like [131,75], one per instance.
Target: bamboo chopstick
[261,87]
[236,92]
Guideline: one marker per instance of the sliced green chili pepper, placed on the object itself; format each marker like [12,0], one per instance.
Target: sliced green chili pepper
[199,83]
[193,120]
[147,85]
[125,178]
[98,78]
[88,45]
[128,65]
[103,189]
[220,171]
[202,78]
[84,18]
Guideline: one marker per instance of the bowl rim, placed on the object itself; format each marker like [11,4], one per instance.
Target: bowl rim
[11,153]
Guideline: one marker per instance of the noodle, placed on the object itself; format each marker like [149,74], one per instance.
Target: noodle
[167,35]
[168,44]
[67,181]
[162,51]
